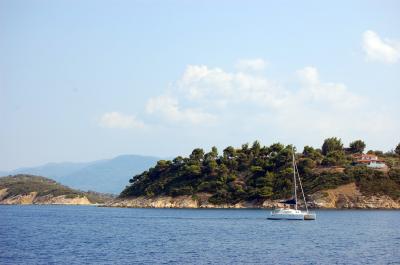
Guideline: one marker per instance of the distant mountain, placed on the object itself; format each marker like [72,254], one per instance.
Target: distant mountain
[109,176]
[53,170]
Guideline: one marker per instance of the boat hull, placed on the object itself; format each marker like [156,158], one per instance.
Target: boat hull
[286,217]
[310,216]
[289,214]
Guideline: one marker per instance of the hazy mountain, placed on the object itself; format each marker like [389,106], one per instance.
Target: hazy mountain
[109,176]
[53,170]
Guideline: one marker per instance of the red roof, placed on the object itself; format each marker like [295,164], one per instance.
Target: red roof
[368,161]
[366,157]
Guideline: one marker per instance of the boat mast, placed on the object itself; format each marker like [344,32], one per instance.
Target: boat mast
[301,186]
[294,178]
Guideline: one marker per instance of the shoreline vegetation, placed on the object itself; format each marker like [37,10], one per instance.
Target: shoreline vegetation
[334,177]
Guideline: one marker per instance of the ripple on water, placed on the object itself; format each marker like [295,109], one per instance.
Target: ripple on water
[91,235]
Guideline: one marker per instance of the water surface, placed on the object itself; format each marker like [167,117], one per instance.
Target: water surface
[92,235]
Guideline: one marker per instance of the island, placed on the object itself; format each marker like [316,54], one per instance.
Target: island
[29,189]
[258,176]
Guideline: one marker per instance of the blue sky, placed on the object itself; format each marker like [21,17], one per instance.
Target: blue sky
[86,80]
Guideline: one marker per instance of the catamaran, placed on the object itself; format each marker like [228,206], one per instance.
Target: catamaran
[288,213]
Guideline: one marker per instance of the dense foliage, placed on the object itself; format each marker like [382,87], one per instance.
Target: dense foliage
[331,144]
[260,172]
[357,146]
[397,150]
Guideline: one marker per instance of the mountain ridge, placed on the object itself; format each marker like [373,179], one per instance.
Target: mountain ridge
[105,175]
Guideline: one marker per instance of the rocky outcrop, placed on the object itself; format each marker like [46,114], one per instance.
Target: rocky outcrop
[346,196]
[20,199]
[349,196]
[3,193]
[155,202]
[198,201]
[63,199]
[33,198]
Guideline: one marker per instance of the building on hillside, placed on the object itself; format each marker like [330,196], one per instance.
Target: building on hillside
[369,160]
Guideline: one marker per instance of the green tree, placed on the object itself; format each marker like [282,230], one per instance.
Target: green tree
[397,150]
[306,165]
[245,148]
[311,153]
[263,192]
[193,170]
[197,155]
[357,146]
[394,174]
[229,152]
[211,167]
[257,171]
[178,161]
[283,183]
[276,147]
[214,152]
[223,170]
[212,155]
[283,157]
[161,164]
[331,144]
[334,158]
[256,147]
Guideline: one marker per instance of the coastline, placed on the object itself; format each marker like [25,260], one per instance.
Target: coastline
[344,197]
[33,198]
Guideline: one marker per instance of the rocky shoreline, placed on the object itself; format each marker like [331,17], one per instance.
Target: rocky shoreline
[33,198]
[344,197]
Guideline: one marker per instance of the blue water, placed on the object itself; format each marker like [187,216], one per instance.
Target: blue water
[93,235]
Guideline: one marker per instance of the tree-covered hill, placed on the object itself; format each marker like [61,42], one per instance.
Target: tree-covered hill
[265,172]
[23,184]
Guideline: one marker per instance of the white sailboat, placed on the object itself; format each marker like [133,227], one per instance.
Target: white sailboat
[290,213]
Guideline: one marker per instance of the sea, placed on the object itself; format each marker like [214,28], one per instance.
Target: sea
[38,234]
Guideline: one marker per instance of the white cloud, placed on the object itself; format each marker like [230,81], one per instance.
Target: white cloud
[249,105]
[251,64]
[168,107]
[213,87]
[198,81]
[308,75]
[376,49]
[334,94]
[216,87]
[118,120]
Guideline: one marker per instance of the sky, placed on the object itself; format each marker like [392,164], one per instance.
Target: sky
[88,80]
